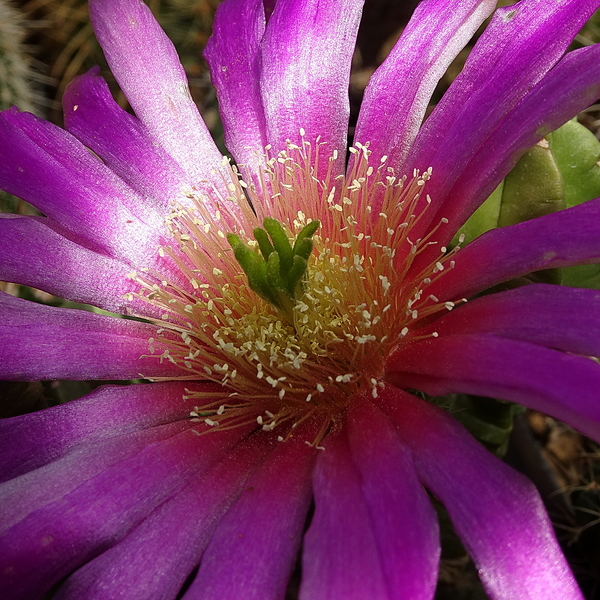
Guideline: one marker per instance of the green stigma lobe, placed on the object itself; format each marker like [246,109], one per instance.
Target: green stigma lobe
[277,273]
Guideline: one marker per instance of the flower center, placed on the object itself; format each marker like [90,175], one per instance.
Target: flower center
[287,331]
[278,275]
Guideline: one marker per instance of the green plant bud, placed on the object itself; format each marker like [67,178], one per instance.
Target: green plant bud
[299,268]
[274,273]
[306,233]
[304,248]
[561,171]
[259,282]
[255,269]
[483,219]
[277,273]
[577,152]
[533,188]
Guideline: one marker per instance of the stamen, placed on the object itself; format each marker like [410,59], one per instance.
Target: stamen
[296,317]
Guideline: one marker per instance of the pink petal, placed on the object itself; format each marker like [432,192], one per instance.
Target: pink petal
[156,557]
[62,534]
[51,481]
[121,141]
[146,66]
[570,87]
[35,252]
[557,317]
[253,551]
[558,384]
[520,45]
[496,511]
[32,440]
[341,558]
[52,170]
[306,54]
[233,55]
[404,522]
[400,90]
[43,342]
[567,237]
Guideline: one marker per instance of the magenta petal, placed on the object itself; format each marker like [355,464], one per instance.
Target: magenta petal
[53,170]
[306,54]
[69,158]
[62,534]
[400,90]
[50,168]
[47,483]
[146,66]
[30,441]
[36,254]
[404,522]
[232,53]
[557,317]
[43,342]
[566,90]
[558,384]
[567,237]
[340,558]
[521,44]
[92,115]
[252,553]
[497,512]
[154,560]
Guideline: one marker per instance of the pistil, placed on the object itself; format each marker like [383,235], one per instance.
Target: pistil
[277,277]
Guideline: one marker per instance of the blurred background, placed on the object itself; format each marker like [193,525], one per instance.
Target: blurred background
[44,44]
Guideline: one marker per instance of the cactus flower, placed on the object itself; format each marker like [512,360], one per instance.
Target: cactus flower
[291,310]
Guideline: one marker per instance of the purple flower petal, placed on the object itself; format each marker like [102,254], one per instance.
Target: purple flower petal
[557,317]
[254,548]
[155,558]
[341,558]
[65,533]
[520,45]
[232,54]
[35,253]
[567,237]
[306,54]
[50,482]
[146,66]
[42,342]
[32,440]
[566,90]
[561,385]
[121,141]
[400,90]
[50,168]
[497,512]
[404,522]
